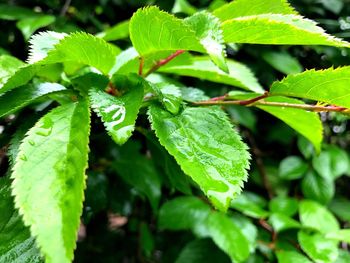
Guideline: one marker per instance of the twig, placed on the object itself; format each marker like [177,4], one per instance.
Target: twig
[162,62]
[142,62]
[222,100]
[65,7]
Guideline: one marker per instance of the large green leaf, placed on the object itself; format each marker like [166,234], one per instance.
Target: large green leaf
[227,236]
[306,123]
[240,8]
[208,31]
[330,86]
[50,197]
[18,98]
[183,213]
[317,247]
[203,68]
[16,244]
[82,48]
[276,29]
[206,147]
[119,113]
[11,12]
[152,30]
[316,216]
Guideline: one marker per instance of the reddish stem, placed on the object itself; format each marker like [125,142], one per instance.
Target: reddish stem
[142,61]
[162,62]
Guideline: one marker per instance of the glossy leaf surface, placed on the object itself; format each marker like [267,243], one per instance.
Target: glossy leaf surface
[206,147]
[55,151]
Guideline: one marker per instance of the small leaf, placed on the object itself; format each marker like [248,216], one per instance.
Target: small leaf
[291,256]
[16,244]
[116,32]
[281,222]
[305,122]
[316,216]
[202,67]
[208,30]
[152,30]
[283,62]
[330,86]
[19,98]
[318,248]
[284,205]
[201,250]
[239,8]
[227,236]
[277,29]
[30,24]
[317,188]
[119,113]
[55,151]
[337,207]
[140,172]
[183,213]
[8,67]
[292,167]
[248,206]
[340,235]
[248,228]
[206,147]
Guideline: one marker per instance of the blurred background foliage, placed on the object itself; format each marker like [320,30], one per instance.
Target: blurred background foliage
[127,185]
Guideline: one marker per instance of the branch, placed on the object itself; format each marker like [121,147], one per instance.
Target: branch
[162,62]
[65,7]
[142,62]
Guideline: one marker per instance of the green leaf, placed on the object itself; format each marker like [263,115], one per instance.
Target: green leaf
[243,116]
[42,43]
[152,30]
[330,86]
[119,113]
[248,206]
[11,12]
[201,250]
[340,235]
[16,244]
[291,256]
[30,24]
[276,29]
[140,172]
[338,206]
[343,257]
[240,8]
[305,147]
[306,123]
[8,67]
[19,98]
[208,30]
[183,213]
[283,62]
[116,32]
[169,95]
[202,67]
[292,167]
[206,147]
[227,236]
[248,229]
[19,77]
[316,216]
[82,48]
[284,205]
[317,188]
[55,151]
[331,163]
[318,248]
[183,6]
[281,222]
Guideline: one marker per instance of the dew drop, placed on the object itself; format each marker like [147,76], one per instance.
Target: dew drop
[23,157]
[46,127]
[31,142]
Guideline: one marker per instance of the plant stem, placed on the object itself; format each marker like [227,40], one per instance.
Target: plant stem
[142,61]
[258,102]
[162,62]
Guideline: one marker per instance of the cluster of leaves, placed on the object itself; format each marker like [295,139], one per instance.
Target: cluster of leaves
[174,162]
